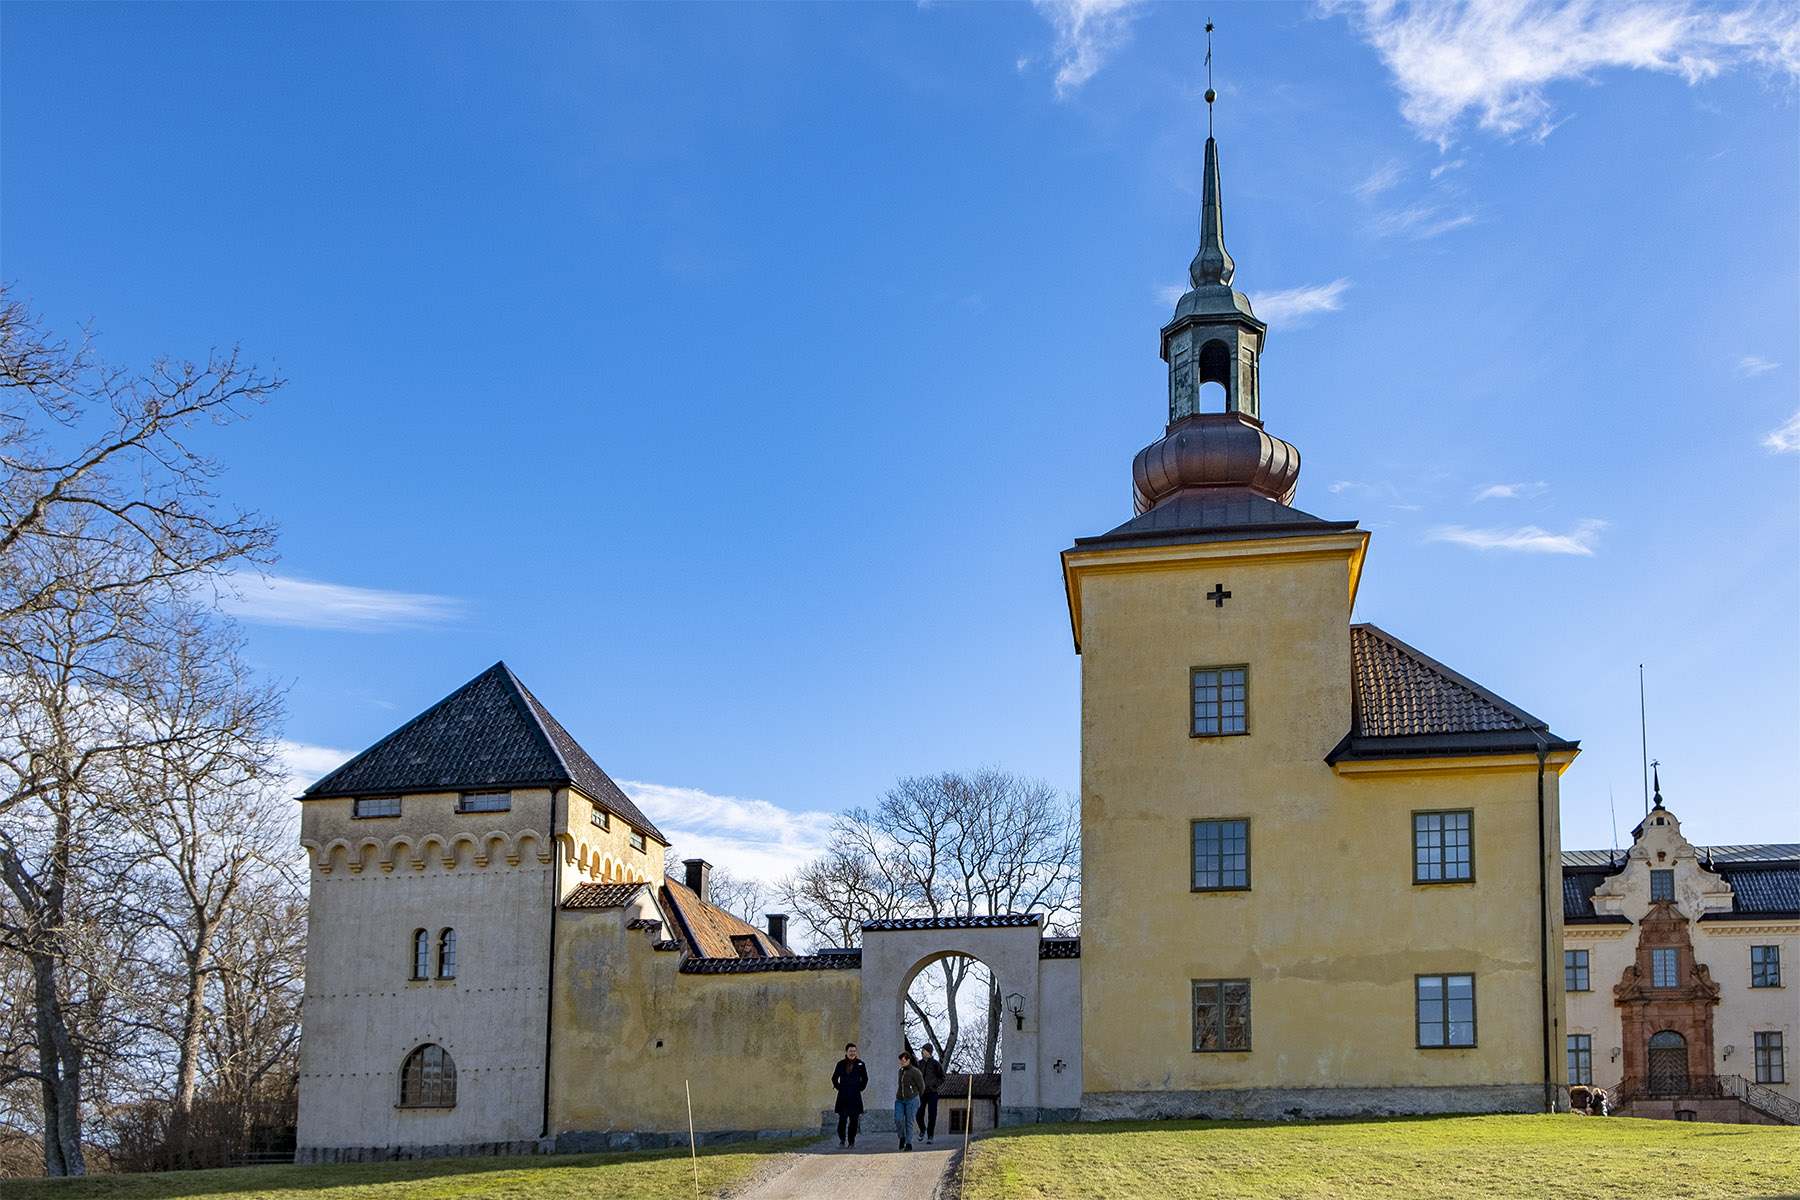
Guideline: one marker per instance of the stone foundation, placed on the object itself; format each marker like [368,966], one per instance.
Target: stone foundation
[1283,1104]
[1727,1110]
[311,1155]
[578,1142]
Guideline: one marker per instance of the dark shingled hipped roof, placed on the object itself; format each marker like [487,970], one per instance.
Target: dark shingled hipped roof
[489,733]
[1765,882]
[1406,704]
[603,895]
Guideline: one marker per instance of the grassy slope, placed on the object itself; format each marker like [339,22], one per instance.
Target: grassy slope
[659,1175]
[1453,1158]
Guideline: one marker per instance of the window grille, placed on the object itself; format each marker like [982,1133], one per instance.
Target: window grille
[1443,847]
[1221,855]
[1662,885]
[600,817]
[1765,966]
[428,1078]
[1664,967]
[447,954]
[1770,1064]
[1575,970]
[421,954]
[375,806]
[637,842]
[1220,700]
[1581,1059]
[477,802]
[1221,1015]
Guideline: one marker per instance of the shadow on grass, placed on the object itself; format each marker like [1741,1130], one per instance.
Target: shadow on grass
[168,1185]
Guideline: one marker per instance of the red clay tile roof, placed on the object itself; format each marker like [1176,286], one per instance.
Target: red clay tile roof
[706,930]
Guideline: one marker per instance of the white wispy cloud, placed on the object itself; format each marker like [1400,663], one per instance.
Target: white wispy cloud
[753,839]
[1512,491]
[1295,305]
[1497,58]
[1527,538]
[1381,179]
[1752,365]
[306,764]
[1087,32]
[1443,167]
[282,600]
[1420,221]
[1169,293]
[1786,438]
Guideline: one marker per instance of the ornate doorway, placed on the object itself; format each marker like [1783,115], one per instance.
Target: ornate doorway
[1668,1064]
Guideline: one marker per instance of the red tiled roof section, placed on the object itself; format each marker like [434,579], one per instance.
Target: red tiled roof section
[1401,692]
[706,929]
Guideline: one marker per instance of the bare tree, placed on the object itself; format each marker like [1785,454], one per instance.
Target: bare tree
[954,845]
[108,528]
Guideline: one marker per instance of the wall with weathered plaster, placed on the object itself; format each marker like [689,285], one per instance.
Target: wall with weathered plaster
[756,1049]
[1332,931]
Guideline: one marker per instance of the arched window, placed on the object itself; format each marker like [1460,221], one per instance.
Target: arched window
[428,1078]
[421,956]
[1214,368]
[447,954]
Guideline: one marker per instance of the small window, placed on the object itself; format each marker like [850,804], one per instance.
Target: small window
[1221,856]
[447,954]
[959,1121]
[1443,847]
[746,946]
[474,802]
[1575,971]
[1771,1066]
[1664,967]
[421,954]
[1446,1010]
[1765,966]
[1219,700]
[1221,1015]
[1581,1059]
[1662,885]
[375,806]
[600,817]
[637,841]
[428,1079]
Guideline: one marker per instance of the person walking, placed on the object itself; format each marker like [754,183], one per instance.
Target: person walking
[932,1072]
[850,1078]
[906,1098]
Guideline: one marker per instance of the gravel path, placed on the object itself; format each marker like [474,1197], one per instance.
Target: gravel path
[872,1171]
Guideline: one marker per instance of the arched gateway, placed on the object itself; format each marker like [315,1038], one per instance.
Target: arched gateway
[1040,1073]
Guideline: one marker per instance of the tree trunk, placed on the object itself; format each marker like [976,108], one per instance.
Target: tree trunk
[60,1065]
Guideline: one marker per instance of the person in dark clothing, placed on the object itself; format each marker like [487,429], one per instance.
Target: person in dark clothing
[932,1071]
[850,1078]
[906,1098]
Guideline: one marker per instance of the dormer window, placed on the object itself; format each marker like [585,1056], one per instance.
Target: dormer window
[1662,885]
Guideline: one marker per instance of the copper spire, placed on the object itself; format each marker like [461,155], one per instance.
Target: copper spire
[1212,265]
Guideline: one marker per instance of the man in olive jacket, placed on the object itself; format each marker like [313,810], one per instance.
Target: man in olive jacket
[850,1078]
[906,1098]
[932,1071]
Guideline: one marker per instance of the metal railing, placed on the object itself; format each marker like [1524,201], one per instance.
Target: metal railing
[1764,1100]
[1707,1087]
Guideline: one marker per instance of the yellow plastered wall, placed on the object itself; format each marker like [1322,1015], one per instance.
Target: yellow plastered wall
[1332,930]
[757,1049]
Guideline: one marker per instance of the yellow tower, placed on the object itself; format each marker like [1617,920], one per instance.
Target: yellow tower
[1320,869]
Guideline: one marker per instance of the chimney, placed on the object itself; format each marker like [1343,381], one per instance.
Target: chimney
[777,928]
[699,877]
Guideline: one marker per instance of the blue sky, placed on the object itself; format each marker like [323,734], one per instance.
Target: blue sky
[736,373]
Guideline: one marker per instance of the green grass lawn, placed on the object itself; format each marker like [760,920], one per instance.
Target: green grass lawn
[1445,1158]
[652,1175]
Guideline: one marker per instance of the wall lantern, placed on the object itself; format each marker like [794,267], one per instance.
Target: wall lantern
[1015,1004]
[1615,1053]
[1730,1050]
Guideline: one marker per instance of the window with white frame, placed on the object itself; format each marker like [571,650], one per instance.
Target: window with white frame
[599,816]
[638,843]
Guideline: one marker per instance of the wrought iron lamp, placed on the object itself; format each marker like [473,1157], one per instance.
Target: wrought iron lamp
[1015,1004]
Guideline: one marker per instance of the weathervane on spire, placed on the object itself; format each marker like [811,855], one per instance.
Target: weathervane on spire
[1210,94]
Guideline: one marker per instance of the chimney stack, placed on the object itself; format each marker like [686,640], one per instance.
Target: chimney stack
[699,877]
[778,928]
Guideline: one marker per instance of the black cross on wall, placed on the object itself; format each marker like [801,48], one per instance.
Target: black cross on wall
[1218,595]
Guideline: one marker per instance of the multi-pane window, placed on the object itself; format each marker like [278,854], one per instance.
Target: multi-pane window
[1219,698]
[1581,1058]
[637,841]
[1575,970]
[1446,1010]
[1662,885]
[447,954]
[600,817]
[471,802]
[1221,855]
[375,806]
[421,954]
[1221,1014]
[1443,847]
[428,1078]
[1769,1065]
[1765,966]
[1663,967]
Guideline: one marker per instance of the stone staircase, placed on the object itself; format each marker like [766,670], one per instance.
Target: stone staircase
[1724,1098]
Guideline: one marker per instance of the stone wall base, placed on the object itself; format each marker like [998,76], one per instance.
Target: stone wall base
[310,1155]
[612,1141]
[1727,1110]
[1281,1104]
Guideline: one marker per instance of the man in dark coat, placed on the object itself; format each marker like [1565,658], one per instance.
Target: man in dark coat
[933,1073]
[850,1078]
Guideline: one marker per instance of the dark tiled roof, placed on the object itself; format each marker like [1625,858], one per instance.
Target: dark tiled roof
[708,930]
[1768,890]
[1762,887]
[489,733]
[666,944]
[1406,703]
[1578,899]
[1004,920]
[1717,855]
[956,1087]
[1063,947]
[1213,518]
[793,962]
[603,895]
